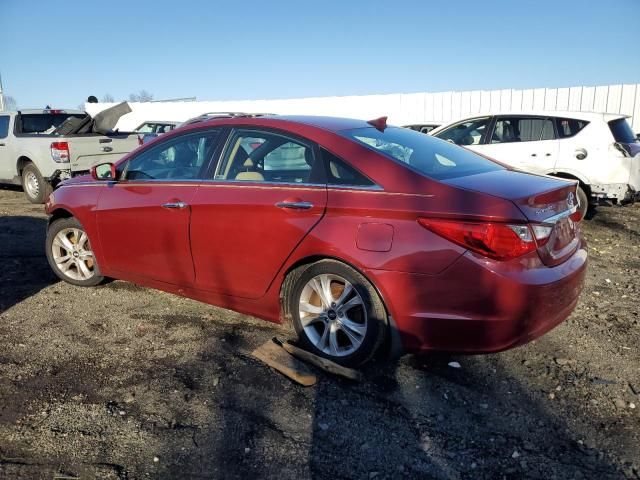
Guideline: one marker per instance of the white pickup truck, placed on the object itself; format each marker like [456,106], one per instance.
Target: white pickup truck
[40,148]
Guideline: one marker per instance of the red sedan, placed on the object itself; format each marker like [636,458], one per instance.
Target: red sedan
[368,238]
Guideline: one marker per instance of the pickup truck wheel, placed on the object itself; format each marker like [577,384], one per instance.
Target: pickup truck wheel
[70,254]
[36,188]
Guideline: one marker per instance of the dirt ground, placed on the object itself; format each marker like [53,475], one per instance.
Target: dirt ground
[122,382]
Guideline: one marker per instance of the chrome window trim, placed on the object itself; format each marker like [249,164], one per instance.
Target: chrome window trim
[374,187]
[295,184]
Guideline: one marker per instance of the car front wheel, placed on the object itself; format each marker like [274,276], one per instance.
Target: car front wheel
[337,313]
[70,255]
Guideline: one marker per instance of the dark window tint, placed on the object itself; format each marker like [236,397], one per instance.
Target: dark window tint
[423,153]
[181,158]
[622,131]
[427,128]
[4,126]
[522,129]
[256,156]
[341,173]
[466,133]
[41,122]
[568,127]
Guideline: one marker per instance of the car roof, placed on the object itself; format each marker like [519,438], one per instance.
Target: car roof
[28,111]
[332,124]
[589,116]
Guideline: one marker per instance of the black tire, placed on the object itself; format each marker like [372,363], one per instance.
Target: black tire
[370,313]
[52,250]
[583,202]
[35,187]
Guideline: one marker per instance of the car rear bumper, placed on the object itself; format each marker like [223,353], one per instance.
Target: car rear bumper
[617,192]
[479,305]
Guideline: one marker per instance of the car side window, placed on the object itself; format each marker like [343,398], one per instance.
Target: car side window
[259,156]
[469,132]
[522,129]
[4,126]
[181,158]
[340,172]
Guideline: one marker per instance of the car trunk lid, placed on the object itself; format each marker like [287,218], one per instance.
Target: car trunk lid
[547,202]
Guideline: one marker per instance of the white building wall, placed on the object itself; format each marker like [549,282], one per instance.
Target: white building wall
[407,108]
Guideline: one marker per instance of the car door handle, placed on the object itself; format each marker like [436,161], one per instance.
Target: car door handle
[534,154]
[295,205]
[107,149]
[1,144]
[174,205]
[547,154]
[104,140]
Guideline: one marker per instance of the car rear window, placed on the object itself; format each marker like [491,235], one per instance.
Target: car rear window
[568,127]
[622,131]
[41,122]
[427,155]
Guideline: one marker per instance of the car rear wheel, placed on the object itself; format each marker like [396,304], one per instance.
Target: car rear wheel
[70,255]
[35,187]
[337,313]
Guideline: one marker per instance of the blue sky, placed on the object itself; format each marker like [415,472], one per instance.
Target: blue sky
[60,52]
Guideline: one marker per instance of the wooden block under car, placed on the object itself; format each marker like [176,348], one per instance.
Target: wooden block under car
[276,357]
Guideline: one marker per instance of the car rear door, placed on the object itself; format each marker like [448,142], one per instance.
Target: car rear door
[267,192]
[144,219]
[524,142]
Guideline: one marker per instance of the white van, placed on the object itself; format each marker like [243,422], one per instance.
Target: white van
[597,149]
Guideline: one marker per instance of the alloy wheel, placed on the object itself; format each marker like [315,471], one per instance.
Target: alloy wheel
[333,315]
[72,254]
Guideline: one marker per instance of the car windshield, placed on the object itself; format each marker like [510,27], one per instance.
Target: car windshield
[427,155]
[622,131]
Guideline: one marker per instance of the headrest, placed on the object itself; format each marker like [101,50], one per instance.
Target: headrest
[250,177]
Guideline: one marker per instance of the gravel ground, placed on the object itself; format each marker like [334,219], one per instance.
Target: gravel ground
[122,382]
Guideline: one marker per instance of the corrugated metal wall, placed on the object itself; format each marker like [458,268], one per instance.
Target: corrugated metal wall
[411,107]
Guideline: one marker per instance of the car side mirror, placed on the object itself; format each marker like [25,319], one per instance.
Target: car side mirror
[104,171]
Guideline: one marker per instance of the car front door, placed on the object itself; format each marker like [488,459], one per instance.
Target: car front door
[267,192]
[144,219]
[524,142]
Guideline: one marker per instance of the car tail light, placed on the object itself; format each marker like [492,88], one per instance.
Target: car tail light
[499,241]
[542,233]
[60,152]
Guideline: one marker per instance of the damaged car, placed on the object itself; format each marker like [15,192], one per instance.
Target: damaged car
[599,150]
[369,239]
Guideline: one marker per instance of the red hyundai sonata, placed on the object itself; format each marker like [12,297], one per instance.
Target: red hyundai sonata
[368,238]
